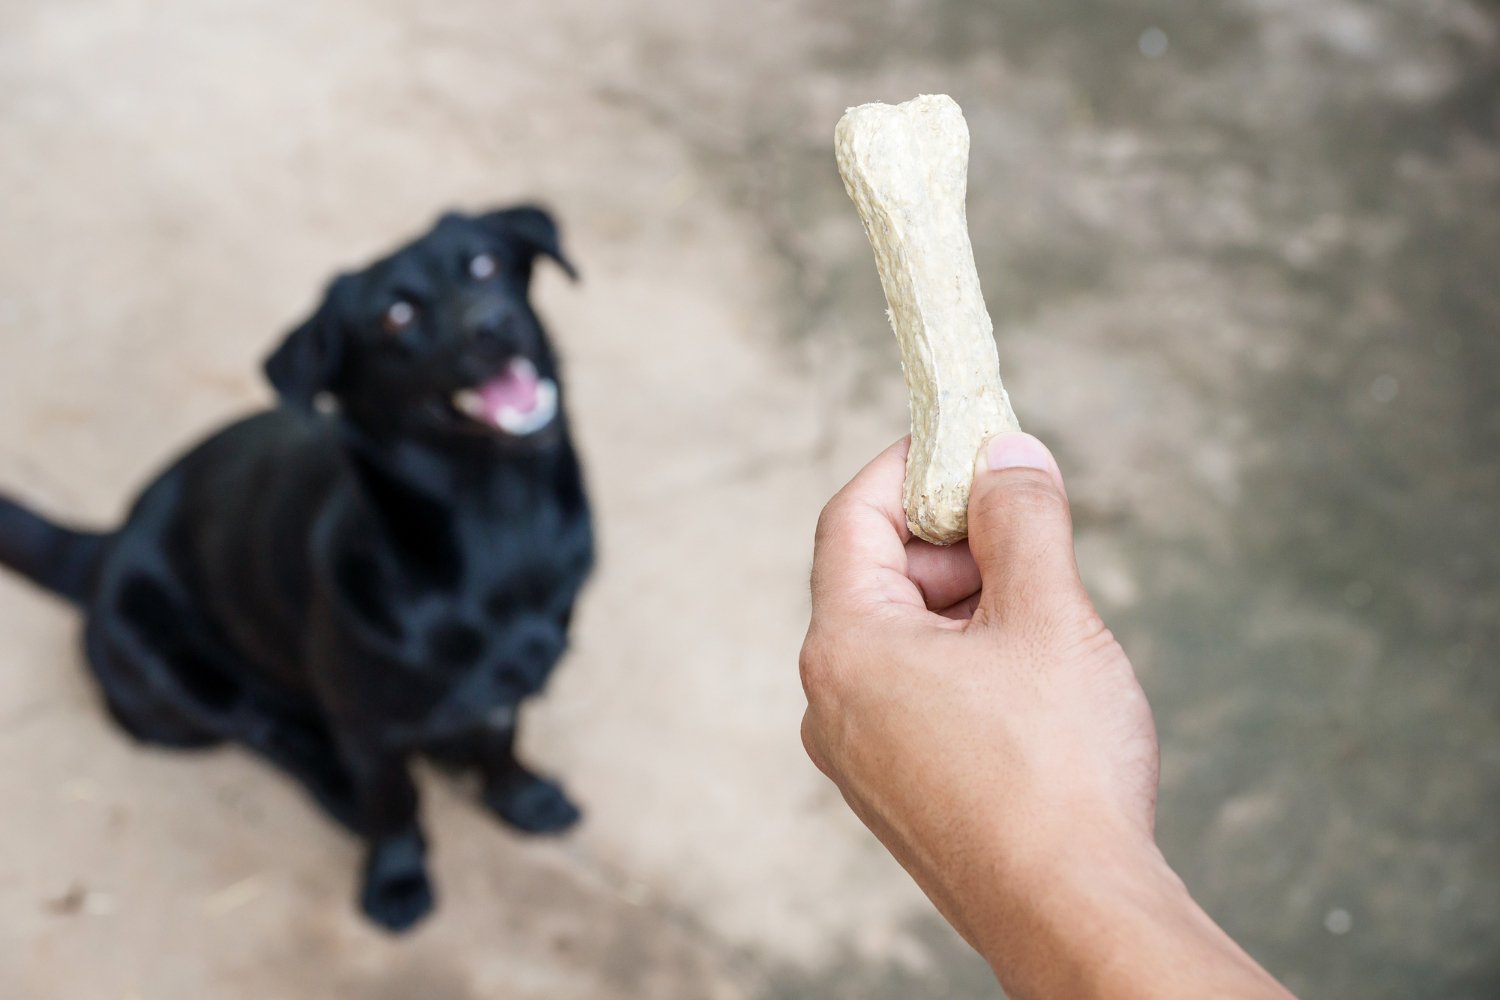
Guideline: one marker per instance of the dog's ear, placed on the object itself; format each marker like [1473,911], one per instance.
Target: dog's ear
[308,360]
[533,231]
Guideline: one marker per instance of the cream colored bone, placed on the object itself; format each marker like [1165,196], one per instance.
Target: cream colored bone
[907,169]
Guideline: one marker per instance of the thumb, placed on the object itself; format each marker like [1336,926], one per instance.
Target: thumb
[1021,535]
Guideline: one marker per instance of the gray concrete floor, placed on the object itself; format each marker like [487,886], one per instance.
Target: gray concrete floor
[1247,289]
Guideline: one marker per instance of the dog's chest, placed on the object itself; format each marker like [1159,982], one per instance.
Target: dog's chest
[512,600]
[495,638]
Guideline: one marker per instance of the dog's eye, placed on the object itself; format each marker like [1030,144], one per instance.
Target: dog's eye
[399,316]
[482,267]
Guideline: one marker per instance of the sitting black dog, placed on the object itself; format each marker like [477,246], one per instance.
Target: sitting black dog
[384,565]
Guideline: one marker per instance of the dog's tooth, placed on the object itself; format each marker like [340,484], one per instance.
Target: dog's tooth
[519,424]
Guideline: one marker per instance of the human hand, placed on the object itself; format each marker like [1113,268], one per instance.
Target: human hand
[985,725]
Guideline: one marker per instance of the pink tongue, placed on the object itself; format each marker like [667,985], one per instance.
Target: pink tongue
[514,388]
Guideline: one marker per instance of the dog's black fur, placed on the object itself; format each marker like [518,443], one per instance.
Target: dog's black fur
[363,573]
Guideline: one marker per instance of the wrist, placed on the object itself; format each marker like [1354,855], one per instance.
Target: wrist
[1104,915]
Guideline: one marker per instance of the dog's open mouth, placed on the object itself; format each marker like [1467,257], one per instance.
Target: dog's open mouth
[517,400]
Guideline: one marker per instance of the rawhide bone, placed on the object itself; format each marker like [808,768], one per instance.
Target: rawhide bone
[907,169]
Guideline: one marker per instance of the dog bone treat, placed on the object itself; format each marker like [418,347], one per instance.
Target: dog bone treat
[907,169]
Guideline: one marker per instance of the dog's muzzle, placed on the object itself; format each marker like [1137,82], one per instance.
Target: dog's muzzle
[517,401]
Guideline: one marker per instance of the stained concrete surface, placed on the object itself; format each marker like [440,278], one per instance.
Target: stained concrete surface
[1246,288]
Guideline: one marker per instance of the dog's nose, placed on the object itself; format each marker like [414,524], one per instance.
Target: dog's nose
[492,322]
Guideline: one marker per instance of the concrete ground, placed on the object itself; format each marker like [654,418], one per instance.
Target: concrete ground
[1246,286]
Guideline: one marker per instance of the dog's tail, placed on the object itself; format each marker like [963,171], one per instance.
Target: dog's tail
[60,559]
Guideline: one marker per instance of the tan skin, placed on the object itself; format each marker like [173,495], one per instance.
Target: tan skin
[984,724]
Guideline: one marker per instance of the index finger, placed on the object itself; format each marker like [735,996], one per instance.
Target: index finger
[859,558]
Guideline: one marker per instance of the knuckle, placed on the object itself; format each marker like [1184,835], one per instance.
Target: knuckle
[1076,626]
[1093,637]
[1026,494]
[813,664]
[832,518]
[824,664]
[812,745]
[825,528]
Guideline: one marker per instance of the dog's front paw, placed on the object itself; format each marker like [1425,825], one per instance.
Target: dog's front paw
[532,804]
[397,892]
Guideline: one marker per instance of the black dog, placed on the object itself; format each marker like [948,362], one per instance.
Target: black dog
[384,565]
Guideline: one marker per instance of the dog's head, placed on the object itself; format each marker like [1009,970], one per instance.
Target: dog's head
[438,340]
